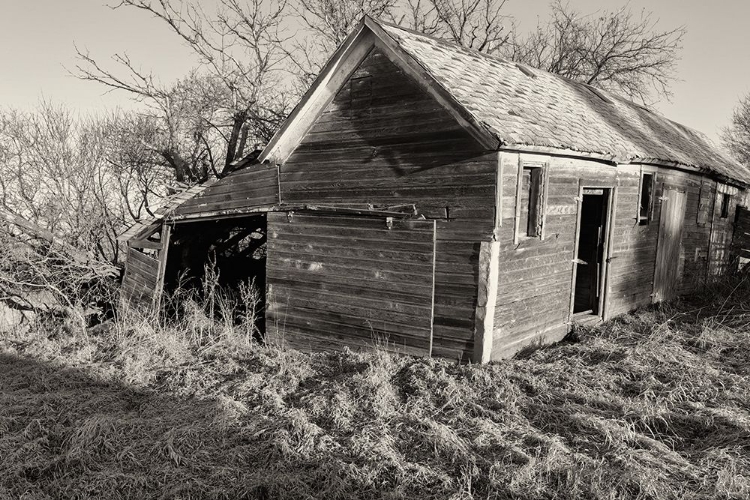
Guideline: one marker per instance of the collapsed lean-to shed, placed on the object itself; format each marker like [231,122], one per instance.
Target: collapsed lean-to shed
[442,202]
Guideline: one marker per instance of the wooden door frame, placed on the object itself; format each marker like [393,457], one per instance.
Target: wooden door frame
[607,252]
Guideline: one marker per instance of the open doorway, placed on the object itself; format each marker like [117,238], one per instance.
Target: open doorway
[233,250]
[590,268]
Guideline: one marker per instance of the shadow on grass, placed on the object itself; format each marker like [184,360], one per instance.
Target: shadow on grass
[65,434]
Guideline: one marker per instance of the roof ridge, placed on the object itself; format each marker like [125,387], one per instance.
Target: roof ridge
[447,42]
[556,112]
[452,44]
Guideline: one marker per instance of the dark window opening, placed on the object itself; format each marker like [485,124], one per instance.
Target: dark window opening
[590,258]
[646,199]
[725,198]
[531,201]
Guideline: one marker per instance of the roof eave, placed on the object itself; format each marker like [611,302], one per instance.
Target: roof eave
[615,160]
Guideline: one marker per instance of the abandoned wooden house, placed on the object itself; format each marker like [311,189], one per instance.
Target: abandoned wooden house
[443,202]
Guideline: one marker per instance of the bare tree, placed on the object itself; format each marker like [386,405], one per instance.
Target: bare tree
[331,21]
[142,178]
[737,135]
[616,50]
[235,96]
[40,273]
[326,24]
[56,172]
[477,24]
[241,90]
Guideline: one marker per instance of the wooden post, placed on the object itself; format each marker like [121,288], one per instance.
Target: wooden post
[166,234]
[498,196]
[434,268]
[610,235]
[519,182]
[484,320]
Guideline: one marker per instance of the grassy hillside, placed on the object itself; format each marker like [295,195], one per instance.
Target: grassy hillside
[655,404]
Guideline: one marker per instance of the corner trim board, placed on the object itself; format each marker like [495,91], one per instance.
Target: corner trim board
[487,287]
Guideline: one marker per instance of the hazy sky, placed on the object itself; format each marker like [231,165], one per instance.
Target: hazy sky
[38,36]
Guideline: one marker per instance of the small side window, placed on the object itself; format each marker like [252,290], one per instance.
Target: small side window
[725,199]
[531,201]
[646,199]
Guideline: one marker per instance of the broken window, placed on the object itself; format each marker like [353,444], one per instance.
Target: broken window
[646,199]
[531,199]
[725,199]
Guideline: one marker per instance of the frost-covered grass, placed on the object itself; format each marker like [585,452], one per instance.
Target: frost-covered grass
[655,404]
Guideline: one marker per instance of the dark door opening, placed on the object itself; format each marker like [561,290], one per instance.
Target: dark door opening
[233,250]
[590,253]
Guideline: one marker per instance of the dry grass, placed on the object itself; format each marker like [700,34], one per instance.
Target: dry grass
[653,405]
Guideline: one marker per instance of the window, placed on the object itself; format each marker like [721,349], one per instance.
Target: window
[531,195]
[646,199]
[725,199]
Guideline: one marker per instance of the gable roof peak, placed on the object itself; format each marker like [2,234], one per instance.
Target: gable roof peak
[507,104]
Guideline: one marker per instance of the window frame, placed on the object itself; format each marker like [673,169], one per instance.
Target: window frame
[542,167]
[641,220]
[726,202]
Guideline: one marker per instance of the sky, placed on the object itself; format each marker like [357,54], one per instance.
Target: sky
[38,40]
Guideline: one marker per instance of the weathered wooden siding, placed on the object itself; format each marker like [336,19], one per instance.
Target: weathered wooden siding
[255,187]
[694,248]
[533,299]
[722,229]
[535,280]
[141,278]
[741,238]
[384,141]
[337,281]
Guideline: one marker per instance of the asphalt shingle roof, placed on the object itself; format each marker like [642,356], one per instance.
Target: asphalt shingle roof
[522,106]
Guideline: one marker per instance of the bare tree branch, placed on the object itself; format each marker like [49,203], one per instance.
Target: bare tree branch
[616,50]
[737,135]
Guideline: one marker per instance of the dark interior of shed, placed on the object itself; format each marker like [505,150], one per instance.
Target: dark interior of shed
[233,248]
[590,252]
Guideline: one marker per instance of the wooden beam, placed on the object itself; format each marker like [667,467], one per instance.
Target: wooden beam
[432,304]
[484,320]
[519,189]
[498,196]
[234,239]
[76,254]
[545,194]
[151,245]
[163,254]
[610,234]
[252,247]
[574,271]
